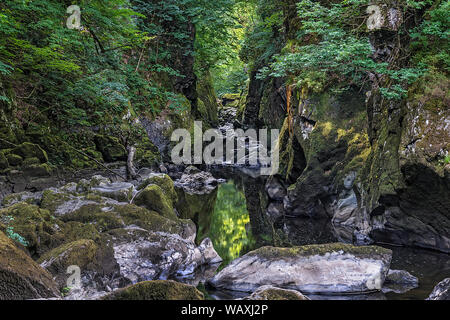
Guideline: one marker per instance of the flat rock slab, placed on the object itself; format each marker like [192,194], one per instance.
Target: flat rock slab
[322,269]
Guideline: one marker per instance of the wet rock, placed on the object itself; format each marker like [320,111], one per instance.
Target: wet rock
[156,290]
[275,189]
[275,210]
[400,281]
[20,277]
[329,268]
[85,254]
[195,181]
[61,203]
[441,291]
[144,255]
[120,191]
[28,197]
[274,293]
[346,209]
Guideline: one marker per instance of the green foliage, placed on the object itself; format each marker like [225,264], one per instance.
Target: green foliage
[332,50]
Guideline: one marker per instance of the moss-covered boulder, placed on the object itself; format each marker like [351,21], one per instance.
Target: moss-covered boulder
[101,216]
[30,150]
[153,198]
[111,148]
[3,162]
[165,183]
[14,159]
[33,227]
[157,290]
[20,277]
[83,253]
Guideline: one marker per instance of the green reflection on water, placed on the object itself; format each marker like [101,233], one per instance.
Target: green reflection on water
[230,216]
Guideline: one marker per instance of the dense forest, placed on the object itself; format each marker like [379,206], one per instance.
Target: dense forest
[91,92]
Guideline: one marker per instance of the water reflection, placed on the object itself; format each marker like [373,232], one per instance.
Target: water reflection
[228,230]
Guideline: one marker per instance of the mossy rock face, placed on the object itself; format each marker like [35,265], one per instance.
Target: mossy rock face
[75,230]
[165,183]
[153,221]
[3,162]
[157,290]
[147,154]
[52,199]
[153,198]
[38,170]
[111,148]
[30,150]
[36,226]
[20,277]
[96,215]
[14,159]
[83,253]
[31,161]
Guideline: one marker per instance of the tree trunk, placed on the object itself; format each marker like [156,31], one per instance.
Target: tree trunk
[131,170]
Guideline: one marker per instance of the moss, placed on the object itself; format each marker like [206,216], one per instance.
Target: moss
[152,221]
[153,198]
[14,159]
[30,150]
[96,215]
[111,148]
[52,199]
[3,162]
[165,183]
[81,253]
[320,249]
[28,197]
[157,290]
[75,230]
[31,161]
[207,102]
[231,96]
[35,225]
[21,277]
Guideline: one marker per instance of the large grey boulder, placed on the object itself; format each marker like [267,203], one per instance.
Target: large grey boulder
[324,269]
[441,291]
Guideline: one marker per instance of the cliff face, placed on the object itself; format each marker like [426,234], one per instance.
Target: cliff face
[378,168]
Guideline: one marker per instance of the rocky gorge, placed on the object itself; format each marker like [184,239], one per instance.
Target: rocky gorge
[94,207]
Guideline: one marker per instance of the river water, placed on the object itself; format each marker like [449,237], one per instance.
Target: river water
[237,224]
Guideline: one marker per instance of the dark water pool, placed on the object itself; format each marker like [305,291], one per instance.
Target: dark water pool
[238,224]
